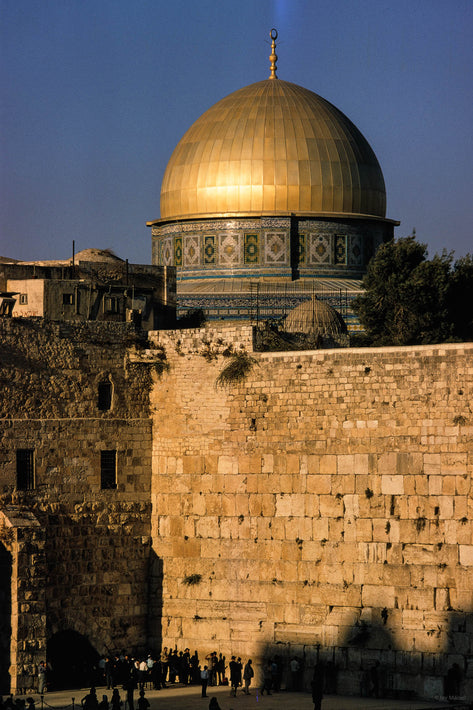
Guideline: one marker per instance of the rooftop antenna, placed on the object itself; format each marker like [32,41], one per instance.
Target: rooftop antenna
[273,57]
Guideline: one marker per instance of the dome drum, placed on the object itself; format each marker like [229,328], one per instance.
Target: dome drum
[277,247]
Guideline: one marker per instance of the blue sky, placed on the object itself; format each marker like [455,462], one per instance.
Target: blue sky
[95,94]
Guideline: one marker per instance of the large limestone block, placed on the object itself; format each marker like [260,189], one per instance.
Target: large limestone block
[342,485]
[377,595]
[466,555]
[319,483]
[392,485]
[330,506]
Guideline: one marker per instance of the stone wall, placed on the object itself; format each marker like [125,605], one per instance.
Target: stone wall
[324,502]
[96,543]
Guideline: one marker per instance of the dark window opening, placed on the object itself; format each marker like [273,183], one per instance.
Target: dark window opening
[25,469]
[111,304]
[108,469]
[23,299]
[105,396]
[68,299]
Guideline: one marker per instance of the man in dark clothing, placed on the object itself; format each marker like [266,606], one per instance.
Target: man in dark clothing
[235,676]
[317,686]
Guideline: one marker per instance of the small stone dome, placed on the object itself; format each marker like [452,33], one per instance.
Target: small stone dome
[315,317]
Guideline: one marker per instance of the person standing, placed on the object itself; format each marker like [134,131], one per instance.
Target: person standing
[164,665]
[116,701]
[248,674]
[204,679]
[235,676]
[42,670]
[317,686]
[267,679]
[295,668]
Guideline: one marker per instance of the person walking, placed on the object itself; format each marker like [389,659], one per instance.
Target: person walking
[248,674]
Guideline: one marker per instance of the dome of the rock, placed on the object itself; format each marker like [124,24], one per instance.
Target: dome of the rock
[271,187]
[272,147]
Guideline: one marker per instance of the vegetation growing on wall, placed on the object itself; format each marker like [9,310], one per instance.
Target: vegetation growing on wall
[237,369]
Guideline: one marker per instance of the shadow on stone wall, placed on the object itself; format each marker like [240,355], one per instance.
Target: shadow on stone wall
[71,660]
[368,663]
[155,602]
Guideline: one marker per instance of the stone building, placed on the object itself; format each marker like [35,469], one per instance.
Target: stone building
[319,506]
[95,285]
[272,186]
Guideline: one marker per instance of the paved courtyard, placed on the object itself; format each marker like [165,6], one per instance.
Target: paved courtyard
[188,698]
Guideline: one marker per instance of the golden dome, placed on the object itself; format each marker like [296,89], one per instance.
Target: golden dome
[272,148]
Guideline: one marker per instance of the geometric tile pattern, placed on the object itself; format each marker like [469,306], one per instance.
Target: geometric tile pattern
[251,249]
[319,249]
[302,248]
[355,253]
[168,252]
[178,251]
[275,251]
[229,249]
[340,249]
[210,254]
[191,252]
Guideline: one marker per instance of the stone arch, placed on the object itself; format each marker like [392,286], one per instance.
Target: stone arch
[5,617]
[72,660]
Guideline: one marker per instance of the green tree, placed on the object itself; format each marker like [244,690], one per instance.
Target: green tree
[409,299]
[461,297]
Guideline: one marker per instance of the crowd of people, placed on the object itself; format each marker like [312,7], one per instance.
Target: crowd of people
[125,675]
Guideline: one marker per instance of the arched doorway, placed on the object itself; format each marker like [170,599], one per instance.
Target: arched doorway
[5,618]
[72,661]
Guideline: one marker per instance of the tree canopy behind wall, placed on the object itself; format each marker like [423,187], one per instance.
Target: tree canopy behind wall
[410,300]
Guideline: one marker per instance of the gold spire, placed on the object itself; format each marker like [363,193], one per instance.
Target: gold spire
[273,57]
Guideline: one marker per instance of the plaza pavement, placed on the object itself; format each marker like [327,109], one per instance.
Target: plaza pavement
[189,698]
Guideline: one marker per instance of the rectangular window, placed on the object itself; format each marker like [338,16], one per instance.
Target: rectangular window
[68,299]
[108,469]
[104,396]
[25,469]
[23,299]
[110,304]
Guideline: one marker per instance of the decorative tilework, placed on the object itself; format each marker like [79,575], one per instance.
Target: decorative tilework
[210,253]
[340,249]
[251,249]
[319,249]
[178,251]
[355,256]
[191,254]
[275,248]
[229,249]
[302,248]
[167,254]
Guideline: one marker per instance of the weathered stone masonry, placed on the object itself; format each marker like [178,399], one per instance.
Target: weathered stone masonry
[80,562]
[326,500]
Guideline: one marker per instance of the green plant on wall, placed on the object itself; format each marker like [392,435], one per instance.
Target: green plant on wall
[239,366]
